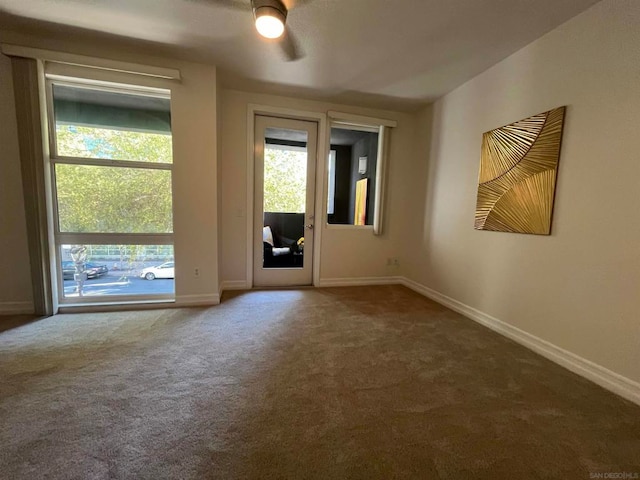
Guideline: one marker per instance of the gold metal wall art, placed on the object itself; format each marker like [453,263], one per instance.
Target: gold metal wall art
[517,179]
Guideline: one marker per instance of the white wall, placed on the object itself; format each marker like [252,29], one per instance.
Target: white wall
[195,184]
[15,279]
[346,253]
[580,287]
[195,180]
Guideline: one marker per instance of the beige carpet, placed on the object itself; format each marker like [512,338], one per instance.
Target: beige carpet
[357,383]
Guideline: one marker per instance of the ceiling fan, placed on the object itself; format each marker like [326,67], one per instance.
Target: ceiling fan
[270,18]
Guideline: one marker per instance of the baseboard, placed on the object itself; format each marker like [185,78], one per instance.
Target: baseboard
[602,376]
[234,285]
[16,308]
[358,281]
[324,282]
[198,300]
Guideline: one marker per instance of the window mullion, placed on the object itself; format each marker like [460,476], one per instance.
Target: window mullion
[105,162]
[114,238]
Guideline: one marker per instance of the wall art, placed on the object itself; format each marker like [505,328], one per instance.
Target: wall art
[518,169]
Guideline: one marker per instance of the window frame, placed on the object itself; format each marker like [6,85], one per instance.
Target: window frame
[331,186]
[367,124]
[59,238]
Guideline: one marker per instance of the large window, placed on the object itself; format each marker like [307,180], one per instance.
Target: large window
[111,168]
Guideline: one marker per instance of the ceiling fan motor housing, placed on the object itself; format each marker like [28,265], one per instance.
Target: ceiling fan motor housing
[274,8]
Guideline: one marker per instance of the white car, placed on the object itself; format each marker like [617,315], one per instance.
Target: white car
[166,270]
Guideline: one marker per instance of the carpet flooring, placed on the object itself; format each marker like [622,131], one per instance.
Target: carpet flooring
[337,383]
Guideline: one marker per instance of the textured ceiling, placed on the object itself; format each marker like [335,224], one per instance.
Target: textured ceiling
[391,53]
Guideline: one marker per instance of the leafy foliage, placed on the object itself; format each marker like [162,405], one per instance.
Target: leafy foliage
[90,142]
[135,200]
[285,178]
[112,199]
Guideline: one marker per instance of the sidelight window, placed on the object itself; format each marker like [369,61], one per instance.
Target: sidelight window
[356,170]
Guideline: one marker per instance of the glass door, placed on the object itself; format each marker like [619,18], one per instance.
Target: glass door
[285,160]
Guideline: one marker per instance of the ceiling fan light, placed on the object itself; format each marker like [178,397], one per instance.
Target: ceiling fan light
[269,22]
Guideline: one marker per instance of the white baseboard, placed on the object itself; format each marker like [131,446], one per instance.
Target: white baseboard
[602,376]
[16,308]
[324,282]
[234,285]
[359,281]
[197,300]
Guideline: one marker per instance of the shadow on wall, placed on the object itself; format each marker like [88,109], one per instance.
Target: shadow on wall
[425,170]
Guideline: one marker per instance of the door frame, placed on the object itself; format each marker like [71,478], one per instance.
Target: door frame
[321,119]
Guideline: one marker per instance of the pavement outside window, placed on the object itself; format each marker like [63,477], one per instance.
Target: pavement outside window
[120,282]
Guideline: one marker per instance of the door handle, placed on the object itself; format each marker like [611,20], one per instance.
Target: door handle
[309,226]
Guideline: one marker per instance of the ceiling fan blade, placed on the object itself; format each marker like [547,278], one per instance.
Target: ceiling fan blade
[291,4]
[290,46]
[243,5]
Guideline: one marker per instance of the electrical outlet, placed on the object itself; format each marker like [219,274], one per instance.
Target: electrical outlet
[396,262]
[196,272]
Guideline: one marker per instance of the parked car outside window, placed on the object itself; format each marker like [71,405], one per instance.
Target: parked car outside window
[93,270]
[166,270]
